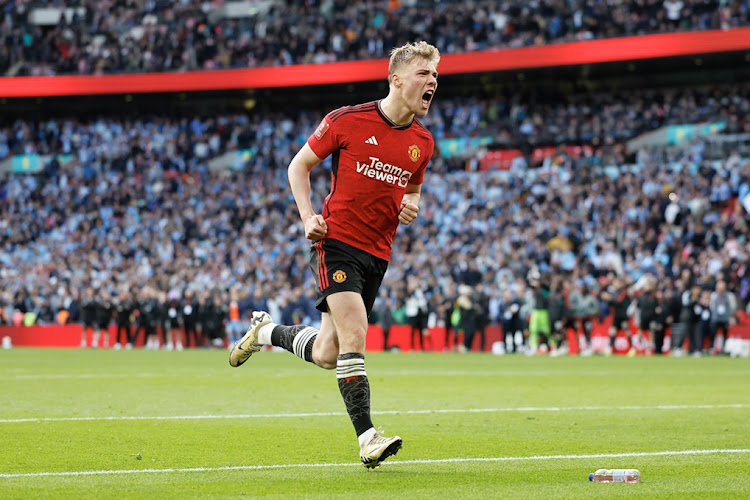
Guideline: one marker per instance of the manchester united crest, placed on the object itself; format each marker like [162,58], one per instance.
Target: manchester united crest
[339,276]
[414,152]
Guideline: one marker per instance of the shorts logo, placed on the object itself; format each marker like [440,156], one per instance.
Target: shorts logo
[414,152]
[322,129]
[339,276]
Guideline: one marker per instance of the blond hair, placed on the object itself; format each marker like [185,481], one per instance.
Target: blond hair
[401,56]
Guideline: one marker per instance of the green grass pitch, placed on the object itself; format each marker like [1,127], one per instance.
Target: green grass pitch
[145,424]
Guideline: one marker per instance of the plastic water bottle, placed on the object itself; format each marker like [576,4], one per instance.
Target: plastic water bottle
[616,476]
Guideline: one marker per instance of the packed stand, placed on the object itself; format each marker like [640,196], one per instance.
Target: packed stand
[604,120]
[137,230]
[126,36]
[601,119]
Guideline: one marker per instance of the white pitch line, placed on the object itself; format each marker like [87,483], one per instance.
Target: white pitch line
[383,412]
[390,463]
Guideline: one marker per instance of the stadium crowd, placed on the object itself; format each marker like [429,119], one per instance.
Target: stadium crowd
[604,120]
[135,227]
[116,36]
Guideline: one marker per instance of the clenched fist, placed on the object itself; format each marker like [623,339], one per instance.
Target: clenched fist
[315,227]
[408,212]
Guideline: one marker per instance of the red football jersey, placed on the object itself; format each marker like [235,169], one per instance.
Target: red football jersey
[373,161]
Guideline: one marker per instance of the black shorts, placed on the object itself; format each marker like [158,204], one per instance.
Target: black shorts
[339,267]
[621,324]
[645,322]
[418,321]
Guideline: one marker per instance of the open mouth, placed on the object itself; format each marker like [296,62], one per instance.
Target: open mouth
[427,97]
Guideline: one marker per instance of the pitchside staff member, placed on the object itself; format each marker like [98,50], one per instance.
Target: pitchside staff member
[511,322]
[379,153]
[104,311]
[189,312]
[174,336]
[124,307]
[148,319]
[619,301]
[89,316]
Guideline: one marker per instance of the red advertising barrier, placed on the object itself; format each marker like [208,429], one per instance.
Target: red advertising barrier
[500,159]
[56,336]
[436,340]
[399,337]
[540,154]
[563,54]
[70,336]
[600,338]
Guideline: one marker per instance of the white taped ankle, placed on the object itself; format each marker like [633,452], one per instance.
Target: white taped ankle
[264,333]
[366,436]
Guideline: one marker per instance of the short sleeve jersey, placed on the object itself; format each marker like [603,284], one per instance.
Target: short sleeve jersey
[373,161]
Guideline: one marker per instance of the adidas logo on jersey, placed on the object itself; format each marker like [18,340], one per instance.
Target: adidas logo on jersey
[372,141]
